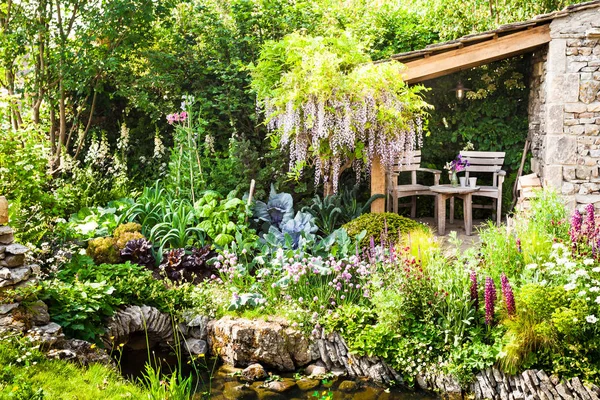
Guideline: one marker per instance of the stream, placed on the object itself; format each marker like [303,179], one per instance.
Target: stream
[225,383]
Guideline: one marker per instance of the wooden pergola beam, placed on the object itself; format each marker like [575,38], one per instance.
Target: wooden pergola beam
[476,55]
[469,56]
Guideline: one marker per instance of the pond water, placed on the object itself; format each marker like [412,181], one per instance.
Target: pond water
[225,383]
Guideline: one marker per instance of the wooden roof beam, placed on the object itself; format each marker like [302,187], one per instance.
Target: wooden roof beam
[475,55]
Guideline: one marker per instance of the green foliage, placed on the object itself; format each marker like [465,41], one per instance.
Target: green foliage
[84,295]
[173,386]
[382,226]
[103,250]
[26,374]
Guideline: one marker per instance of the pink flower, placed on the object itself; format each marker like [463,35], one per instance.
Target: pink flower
[183,116]
[490,299]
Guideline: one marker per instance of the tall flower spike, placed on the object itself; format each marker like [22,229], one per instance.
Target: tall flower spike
[507,293]
[490,300]
[576,222]
[590,221]
[474,294]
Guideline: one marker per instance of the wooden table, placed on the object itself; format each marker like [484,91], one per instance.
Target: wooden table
[445,192]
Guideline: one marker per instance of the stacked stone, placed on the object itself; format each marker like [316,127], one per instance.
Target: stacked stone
[564,110]
[15,273]
[530,385]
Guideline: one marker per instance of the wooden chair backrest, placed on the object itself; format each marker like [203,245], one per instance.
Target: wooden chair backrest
[408,161]
[484,161]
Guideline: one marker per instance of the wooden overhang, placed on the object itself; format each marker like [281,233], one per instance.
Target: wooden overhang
[468,52]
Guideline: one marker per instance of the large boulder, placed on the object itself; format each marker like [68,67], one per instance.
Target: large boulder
[274,344]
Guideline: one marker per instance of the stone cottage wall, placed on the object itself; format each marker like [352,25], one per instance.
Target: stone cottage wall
[537,103]
[569,155]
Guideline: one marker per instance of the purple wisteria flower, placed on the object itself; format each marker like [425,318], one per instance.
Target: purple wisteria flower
[490,299]
[509,297]
[474,294]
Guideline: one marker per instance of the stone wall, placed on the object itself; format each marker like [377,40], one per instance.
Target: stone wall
[566,147]
[537,102]
[493,384]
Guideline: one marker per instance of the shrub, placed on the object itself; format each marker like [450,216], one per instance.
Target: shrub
[382,226]
[103,250]
[130,227]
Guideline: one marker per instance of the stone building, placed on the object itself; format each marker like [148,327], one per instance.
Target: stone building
[564,103]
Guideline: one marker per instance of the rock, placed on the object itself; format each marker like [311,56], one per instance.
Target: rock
[20,274]
[348,386]
[3,211]
[6,238]
[280,386]
[241,342]
[68,355]
[196,325]
[13,260]
[196,347]
[152,325]
[6,308]
[47,335]
[85,353]
[315,370]
[588,90]
[16,249]
[564,392]
[307,384]
[254,372]
[5,274]
[423,383]
[235,391]
[39,313]
[580,389]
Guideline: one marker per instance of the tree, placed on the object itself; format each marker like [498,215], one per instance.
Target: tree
[331,107]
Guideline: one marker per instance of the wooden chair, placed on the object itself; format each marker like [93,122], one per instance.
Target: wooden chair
[408,162]
[487,162]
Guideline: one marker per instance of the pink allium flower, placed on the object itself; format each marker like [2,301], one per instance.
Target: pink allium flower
[490,299]
[507,292]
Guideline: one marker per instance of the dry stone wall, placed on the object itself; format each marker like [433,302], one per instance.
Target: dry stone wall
[565,109]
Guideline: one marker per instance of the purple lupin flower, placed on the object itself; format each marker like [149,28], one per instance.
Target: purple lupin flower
[507,293]
[590,221]
[474,294]
[490,299]
[576,222]
[518,245]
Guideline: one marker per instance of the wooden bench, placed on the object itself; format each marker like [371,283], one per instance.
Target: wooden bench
[408,162]
[487,162]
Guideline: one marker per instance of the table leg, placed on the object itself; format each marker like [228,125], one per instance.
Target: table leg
[452,209]
[468,211]
[441,213]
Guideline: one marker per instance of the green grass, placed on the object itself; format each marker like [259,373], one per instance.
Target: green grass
[64,380]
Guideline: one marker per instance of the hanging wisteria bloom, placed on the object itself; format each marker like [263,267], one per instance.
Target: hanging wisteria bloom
[490,300]
[332,115]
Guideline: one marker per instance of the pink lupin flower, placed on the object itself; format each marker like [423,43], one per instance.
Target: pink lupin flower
[474,294]
[490,299]
[507,293]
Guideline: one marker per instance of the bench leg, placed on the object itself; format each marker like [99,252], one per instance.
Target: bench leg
[413,207]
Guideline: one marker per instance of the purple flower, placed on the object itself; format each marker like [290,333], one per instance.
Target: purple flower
[474,294]
[490,299]
[590,221]
[518,245]
[576,222]
[507,292]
